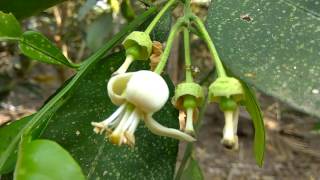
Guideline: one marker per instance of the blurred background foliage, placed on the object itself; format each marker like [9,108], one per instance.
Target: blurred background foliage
[78,28]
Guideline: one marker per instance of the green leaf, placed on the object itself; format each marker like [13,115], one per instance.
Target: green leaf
[8,135]
[38,47]
[253,108]
[162,29]
[98,31]
[10,27]
[271,45]
[22,8]
[44,159]
[153,157]
[44,114]
[192,171]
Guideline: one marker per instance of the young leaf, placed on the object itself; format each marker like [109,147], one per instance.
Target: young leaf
[153,156]
[38,47]
[10,27]
[44,114]
[44,159]
[192,171]
[253,108]
[271,45]
[8,135]
[23,8]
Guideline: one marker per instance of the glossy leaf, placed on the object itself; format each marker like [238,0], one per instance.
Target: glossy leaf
[192,171]
[38,47]
[44,159]
[23,8]
[44,114]
[253,108]
[8,135]
[273,45]
[153,157]
[10,27]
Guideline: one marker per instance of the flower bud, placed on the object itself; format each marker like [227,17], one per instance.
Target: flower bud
[138,44]
[228,87]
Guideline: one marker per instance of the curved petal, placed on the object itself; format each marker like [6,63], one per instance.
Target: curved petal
[160,130]
[117,86]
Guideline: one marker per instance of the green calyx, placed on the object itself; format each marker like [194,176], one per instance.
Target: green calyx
[227,104]
[228,87]
[188,95]
[138,44]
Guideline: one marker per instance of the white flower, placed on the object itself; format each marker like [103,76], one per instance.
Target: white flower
[230,138]
[139,95]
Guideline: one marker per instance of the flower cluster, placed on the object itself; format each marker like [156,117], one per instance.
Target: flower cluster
[139,95]
[142,93]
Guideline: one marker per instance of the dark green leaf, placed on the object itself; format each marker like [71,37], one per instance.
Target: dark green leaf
[44,159]
[44,114]
[162,29]
[38,47]
[98,31]
[253,108]
[9,134]
[192,171]
[153,157]
[272,45]
[23,8]
[10,27]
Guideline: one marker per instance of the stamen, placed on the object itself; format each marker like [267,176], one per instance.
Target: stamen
[99,127]
[111,118]
[160,130]
[124,67]
[117,136]
[132,128]
[189,125]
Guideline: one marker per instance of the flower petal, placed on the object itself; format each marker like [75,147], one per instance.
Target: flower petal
[117,86]
[160,130]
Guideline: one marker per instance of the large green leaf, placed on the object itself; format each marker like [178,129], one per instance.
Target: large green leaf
[8,134]
[10,27]
[153,157]
[273,45]
[38,47]
[44,114]
[44,159]
[23,8]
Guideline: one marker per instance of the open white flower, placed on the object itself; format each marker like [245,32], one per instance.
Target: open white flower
[139,95]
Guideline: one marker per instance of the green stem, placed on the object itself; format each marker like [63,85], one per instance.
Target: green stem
[186,157]
[186,40]
[159,15]
[166,53]
[213,51]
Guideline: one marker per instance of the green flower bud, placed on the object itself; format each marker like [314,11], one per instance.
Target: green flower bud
[138,44]
[228,87]
[192,93]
